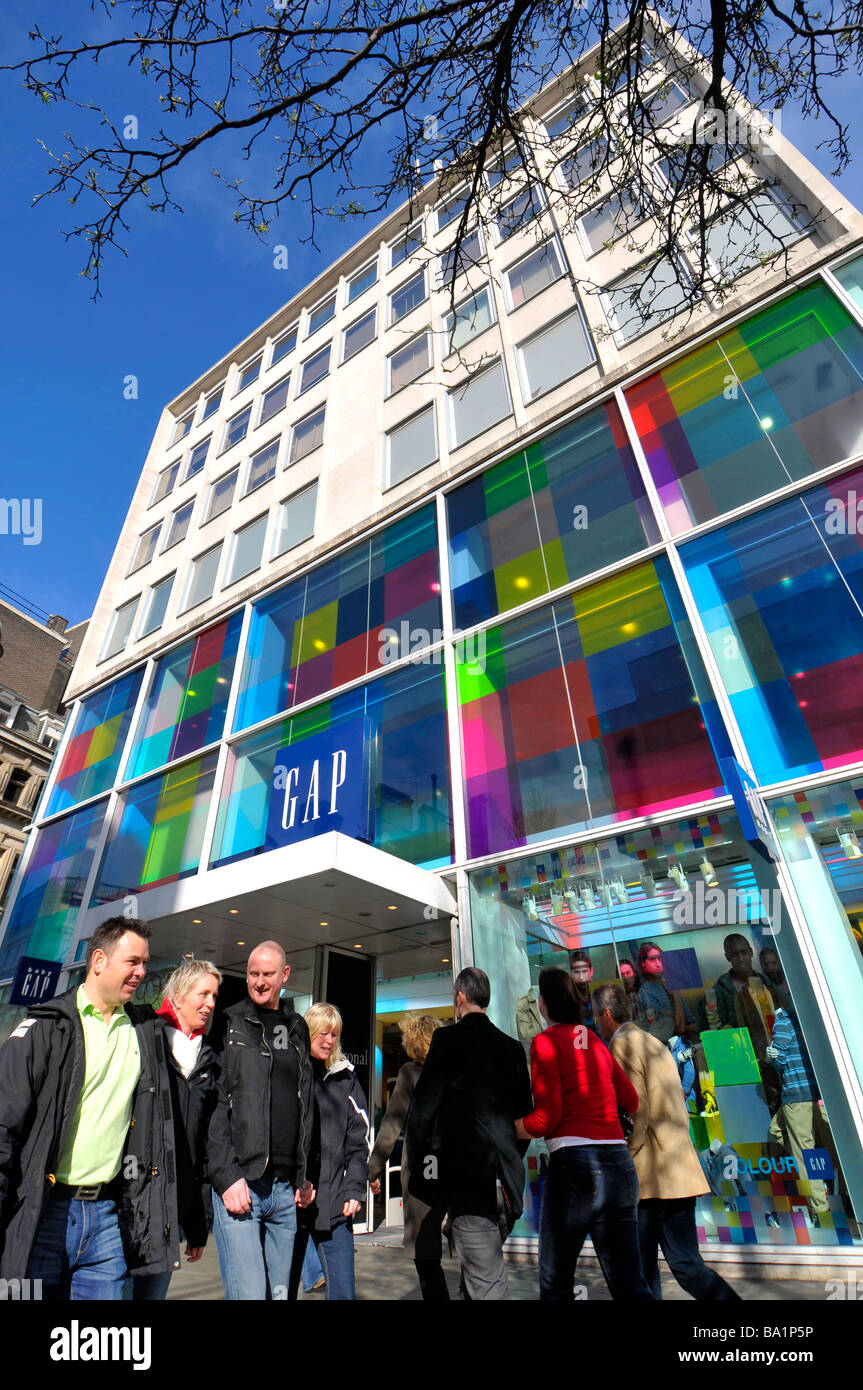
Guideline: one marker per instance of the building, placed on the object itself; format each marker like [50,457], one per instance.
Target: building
[410,664]
[38,653]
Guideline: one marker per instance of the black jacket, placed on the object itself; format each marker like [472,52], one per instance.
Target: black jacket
[194,1100]
[239,1137]
[339,1158]
[41,1075]
[460,1132]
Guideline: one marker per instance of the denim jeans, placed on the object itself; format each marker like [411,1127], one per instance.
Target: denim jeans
[151,1288]
[312,1270]
[255,1250]
[671,1224]
[336,1251]
[590,1189]
[78,1252]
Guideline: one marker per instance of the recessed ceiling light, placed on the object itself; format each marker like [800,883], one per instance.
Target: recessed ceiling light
[196,921]
[323,924]
[241,943]
[364,914]
[233,911]
[444,960]
[392,907]
[358,945]
[329,885]
[188,955]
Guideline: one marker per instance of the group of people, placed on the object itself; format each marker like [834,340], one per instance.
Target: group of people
[119,1123]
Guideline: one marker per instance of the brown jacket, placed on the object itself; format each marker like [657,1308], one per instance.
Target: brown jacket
[664,1155]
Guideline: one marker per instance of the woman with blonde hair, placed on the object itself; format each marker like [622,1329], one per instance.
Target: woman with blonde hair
[190,997]
[422,1237]
[338,1161]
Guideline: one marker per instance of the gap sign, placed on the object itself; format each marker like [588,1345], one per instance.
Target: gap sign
[319,785]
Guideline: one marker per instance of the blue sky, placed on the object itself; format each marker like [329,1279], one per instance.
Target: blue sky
[192,287]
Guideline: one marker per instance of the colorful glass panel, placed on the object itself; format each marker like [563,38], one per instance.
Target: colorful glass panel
[186,706]
[43,918]
[588,712]
[344,619]
[405,765]
[157,831]
[781,596]
[92,756]
[567,506]
[771,401]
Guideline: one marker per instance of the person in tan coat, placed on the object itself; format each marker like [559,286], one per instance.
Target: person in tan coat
[670,1176]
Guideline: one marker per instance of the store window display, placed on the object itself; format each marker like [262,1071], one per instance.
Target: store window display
[581,970]
[674,954]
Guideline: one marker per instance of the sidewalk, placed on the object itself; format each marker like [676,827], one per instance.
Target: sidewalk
[384,1275]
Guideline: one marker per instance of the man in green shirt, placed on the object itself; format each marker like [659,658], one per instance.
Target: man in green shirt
[79,1074]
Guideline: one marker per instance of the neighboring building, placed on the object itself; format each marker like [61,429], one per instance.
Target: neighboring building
[404,664]
[38,653]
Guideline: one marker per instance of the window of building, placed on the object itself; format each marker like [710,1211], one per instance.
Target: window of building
[248,549]
[182,426]
[669,99]
[406,244]
[411,446]
[26,721]
[179,525]
[262,466]
[611,219]
[315,368]
[469,254]
[500,170]
[686,164]
[518,212]
[321,314]
[308,435]
[146,548]
[478,403]
[471,317]
[362,281]
[450,210]
[275,399]
[165,482]
[741,238]
[409,362]
[248,375]
[296,519]
[643,299]
[283,346]
[212,403]
[407,296]
[533,273]
[237,429]
[202,577]
[15,784]
[157,606]
[554,355]
[565,117]
[222,494]
[197,458]
[359,335]
[586,162]
[121,626]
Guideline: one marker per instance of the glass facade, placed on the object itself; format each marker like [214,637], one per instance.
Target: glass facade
[91,757]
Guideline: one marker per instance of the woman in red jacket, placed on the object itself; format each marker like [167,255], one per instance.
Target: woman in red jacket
[591,1188]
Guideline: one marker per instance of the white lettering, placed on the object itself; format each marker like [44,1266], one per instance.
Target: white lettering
[312,798]
[340,768]
[291,781]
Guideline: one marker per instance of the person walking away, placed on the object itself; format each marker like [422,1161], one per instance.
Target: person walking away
[422,1230]
[190,997]
[463,1151]
[591,1187]
[260,1133]
[670,1176]
[339,1158]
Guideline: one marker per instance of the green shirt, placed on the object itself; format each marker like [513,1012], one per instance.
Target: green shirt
[100,1122]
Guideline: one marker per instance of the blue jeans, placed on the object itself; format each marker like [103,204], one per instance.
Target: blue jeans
[671,1224]
[590,1190]
[336,1250]
[78,1252]
[151,1288]
[255,1250]
[312,1270]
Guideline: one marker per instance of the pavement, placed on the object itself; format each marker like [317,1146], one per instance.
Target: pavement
[384,1275]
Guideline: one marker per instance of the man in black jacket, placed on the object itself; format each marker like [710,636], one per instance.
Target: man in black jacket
[260,1132]
[462,1146]
[87,1192]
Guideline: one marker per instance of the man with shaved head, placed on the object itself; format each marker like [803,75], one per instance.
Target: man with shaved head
[261,1132]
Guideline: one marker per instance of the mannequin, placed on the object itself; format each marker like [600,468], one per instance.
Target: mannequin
[665,1011]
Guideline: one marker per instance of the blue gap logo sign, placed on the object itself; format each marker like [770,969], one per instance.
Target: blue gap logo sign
[320,783]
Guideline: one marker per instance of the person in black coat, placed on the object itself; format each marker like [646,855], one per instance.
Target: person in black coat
[190,997]
[338,1161]
[463,1151]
